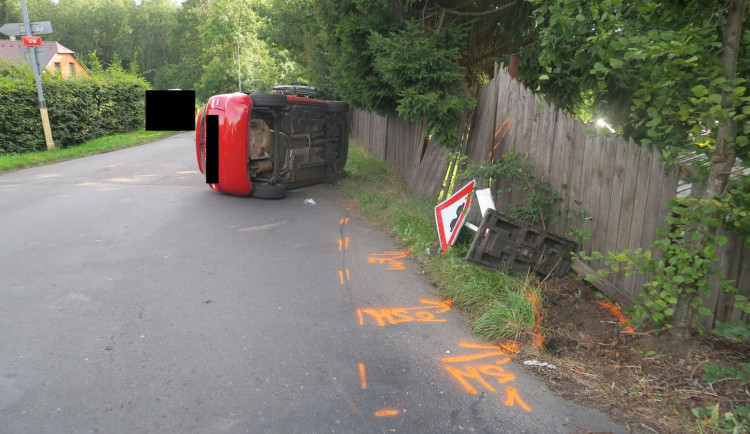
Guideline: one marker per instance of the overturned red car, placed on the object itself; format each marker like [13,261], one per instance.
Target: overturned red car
[266,144]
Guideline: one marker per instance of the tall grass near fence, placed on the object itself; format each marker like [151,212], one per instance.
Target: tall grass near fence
[500,306]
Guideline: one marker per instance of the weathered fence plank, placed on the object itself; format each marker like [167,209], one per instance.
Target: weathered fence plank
[629,195]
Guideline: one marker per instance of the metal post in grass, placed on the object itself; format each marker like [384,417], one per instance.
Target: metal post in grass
[37,78]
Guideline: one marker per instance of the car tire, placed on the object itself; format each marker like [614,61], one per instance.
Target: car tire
[268,191]
[336,106]
[342,147]
[268,100]
[334,177]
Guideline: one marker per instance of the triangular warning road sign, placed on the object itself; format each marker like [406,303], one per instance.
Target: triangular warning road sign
[451,214]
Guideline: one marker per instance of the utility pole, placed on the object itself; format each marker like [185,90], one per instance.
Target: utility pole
[37,72]
[239,68]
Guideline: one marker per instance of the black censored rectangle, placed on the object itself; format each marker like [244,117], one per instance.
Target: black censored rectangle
[212,149]
[170,110]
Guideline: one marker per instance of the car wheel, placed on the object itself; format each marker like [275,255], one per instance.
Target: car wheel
[334,177]
[336,106]
[268,100]
[342,147]
[268,191]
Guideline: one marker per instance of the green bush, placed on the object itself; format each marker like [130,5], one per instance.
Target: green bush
[107,101]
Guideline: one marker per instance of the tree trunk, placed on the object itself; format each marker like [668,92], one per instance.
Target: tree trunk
[723,155]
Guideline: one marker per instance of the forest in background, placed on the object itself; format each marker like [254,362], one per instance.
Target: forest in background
[193,45]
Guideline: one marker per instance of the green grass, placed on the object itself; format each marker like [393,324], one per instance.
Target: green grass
[499,305]
[97,146]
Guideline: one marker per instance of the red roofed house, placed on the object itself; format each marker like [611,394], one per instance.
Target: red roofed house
[59,58]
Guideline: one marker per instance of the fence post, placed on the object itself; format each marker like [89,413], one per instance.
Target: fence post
[513,68]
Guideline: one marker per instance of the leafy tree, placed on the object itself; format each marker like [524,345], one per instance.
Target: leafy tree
[130,29]
[380,60]
[10,11]
[671,75]
[232,49]
[415,58]
[423,71]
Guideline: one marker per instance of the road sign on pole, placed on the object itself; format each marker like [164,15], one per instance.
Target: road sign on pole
[451,214]
[19,29]
[41,56]
[42,27]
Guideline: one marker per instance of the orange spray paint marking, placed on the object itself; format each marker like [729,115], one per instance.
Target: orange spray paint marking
[538,337]
[513,399]
[343,394]
[471,372]
[506,349]
[384,413]
[362,377]
[396,315]
[505,126]
[616,312]
[497,372]
[344,221]
[343,243]
[471,357]
[392,258]
[442,306]
[341,275]
[482,374]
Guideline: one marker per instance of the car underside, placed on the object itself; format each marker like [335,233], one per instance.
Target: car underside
[268,143]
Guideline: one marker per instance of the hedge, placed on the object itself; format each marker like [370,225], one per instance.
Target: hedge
[101,103]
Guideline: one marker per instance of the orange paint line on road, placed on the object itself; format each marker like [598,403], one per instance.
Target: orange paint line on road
[470,372]
[513,399]
[470,357]
[343,394]
[444,306]
[391,258]
[362,376]
[343,243]
[344,274]
[344,221]
[511,347]
[383,413]
[507,349]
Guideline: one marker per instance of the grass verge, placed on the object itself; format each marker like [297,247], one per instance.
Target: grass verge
[500,306]
[97,146]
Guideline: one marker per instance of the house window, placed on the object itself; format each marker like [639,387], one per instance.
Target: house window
[71,69]
[57,67]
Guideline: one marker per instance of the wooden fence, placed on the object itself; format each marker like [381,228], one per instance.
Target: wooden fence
[620,186]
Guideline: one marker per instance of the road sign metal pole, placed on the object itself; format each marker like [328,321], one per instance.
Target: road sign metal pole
[37,78]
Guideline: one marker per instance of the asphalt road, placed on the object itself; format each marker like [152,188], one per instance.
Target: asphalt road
[135,299]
